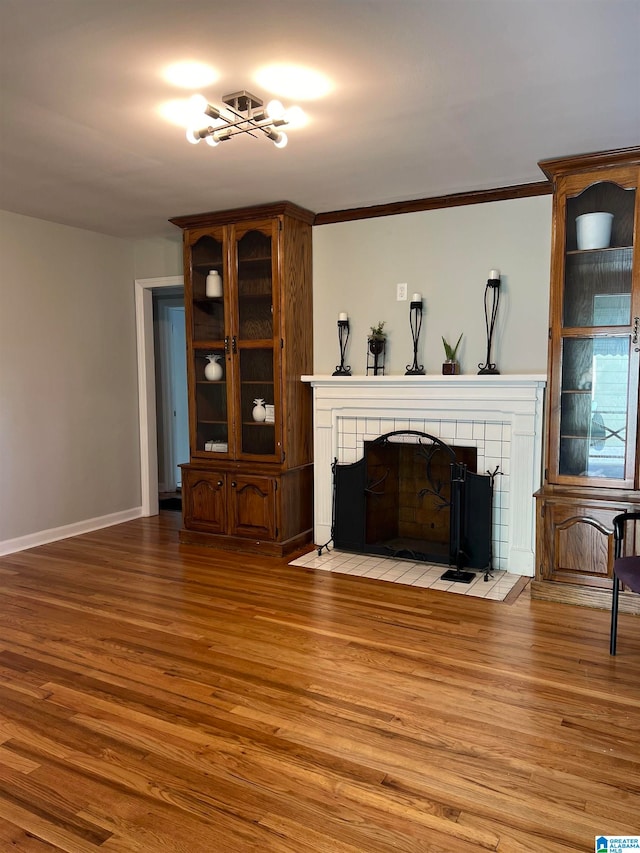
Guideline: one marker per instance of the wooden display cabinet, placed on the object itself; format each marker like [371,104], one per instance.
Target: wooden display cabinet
[592,442]
[248,484]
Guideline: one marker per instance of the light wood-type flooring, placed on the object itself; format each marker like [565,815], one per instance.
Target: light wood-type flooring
[157,697]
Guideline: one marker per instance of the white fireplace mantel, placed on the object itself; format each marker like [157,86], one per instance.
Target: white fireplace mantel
[501,416]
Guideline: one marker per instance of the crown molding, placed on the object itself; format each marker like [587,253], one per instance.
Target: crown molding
[434,203]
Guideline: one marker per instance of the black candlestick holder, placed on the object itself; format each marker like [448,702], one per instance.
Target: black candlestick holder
[343,337]
[415,321]
[491,294]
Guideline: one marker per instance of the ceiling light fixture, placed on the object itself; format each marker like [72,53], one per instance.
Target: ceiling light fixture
[245,113]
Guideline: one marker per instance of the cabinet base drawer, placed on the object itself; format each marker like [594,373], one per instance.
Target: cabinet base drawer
[247,546]
[568,593]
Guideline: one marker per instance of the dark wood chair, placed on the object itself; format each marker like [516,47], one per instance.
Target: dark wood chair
[626,570]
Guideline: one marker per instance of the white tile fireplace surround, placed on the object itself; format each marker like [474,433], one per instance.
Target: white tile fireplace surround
[501,416]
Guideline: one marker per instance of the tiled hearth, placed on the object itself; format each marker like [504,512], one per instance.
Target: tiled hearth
[422,575]
[501,416]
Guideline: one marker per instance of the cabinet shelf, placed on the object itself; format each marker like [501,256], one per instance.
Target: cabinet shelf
[254,259]
[206,265]
[208,302]
[598,253]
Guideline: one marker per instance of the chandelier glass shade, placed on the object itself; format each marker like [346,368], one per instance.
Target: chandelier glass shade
[244,113]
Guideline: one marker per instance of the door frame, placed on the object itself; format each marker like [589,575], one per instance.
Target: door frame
[147,388]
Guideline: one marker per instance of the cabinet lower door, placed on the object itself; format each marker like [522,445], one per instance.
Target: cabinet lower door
[252,507]
[203,500]
[578,544]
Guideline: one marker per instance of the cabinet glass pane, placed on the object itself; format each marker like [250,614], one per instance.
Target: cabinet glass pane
[257,401]
[597,285]
[255,287]
[593,410]
[208,311]
[211,403]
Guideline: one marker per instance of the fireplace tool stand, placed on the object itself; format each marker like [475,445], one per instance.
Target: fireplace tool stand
[325,547]
[459,558]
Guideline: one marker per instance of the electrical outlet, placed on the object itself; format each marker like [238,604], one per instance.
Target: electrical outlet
[401,292]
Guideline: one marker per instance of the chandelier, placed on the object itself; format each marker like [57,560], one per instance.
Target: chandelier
[244,113]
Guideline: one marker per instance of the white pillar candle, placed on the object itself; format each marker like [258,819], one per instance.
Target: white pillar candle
[417,297]
[494,274]
[342,316]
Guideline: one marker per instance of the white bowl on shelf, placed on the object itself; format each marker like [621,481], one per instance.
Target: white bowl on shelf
[593,230]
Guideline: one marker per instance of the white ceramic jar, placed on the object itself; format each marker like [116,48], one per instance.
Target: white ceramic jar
[213,285]
[593,230]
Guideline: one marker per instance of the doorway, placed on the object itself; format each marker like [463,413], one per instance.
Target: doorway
[147,417]
[172,416]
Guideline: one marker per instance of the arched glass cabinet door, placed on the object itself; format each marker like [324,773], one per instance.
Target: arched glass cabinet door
[598,370]
[257,343]
[207,321]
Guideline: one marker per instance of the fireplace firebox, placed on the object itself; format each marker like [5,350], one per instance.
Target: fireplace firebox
[413,496]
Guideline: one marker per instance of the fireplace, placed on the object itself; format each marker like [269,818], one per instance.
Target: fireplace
[499,417]
[414,496]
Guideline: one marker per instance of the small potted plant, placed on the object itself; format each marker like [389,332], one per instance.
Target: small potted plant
[376,342]
[451,367]
[377,338]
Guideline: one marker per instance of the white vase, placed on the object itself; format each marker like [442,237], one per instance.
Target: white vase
[213,370]
[593,230]
[259,412]
[213,285]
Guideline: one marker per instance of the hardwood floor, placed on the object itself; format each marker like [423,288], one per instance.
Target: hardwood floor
[164,697]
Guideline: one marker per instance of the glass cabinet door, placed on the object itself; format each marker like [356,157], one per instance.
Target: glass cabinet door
[208,317]
[209,414]
[598,381]
[594,407]
[257,394]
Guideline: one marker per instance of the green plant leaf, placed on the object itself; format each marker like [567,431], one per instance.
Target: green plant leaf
[450,351]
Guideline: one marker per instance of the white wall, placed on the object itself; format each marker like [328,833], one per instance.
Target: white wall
[157,257]
[69,447]
[446,255]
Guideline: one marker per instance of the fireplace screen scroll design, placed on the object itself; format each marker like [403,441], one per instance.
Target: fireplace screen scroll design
[413,496]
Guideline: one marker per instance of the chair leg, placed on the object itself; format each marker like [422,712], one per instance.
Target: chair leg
[614,615]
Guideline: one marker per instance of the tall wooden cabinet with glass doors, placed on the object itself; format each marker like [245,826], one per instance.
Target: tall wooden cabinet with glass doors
[248,484]
[592,437]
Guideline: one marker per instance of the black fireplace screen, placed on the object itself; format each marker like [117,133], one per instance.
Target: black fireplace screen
[413,496]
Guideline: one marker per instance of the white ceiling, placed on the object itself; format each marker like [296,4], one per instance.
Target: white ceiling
[429,97]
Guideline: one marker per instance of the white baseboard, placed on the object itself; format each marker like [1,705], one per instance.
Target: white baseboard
[43,537]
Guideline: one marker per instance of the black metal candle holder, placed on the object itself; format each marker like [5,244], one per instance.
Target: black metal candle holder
[492,289]
[415,321]
[343,337]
